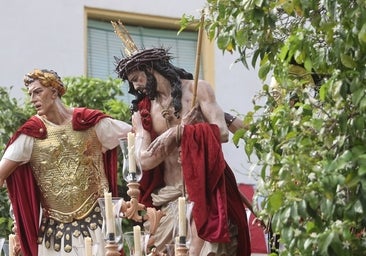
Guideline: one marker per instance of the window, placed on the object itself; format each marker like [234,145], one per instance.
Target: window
[104,45]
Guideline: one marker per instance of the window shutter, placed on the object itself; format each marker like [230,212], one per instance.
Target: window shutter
[104,45]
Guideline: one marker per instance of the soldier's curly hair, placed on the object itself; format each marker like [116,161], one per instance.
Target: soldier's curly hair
[46,78]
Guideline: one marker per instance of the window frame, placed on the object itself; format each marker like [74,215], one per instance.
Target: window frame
[207,47]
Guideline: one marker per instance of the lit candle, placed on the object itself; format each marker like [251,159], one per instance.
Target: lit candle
[182,216]
[11,244]
[131,152]
[88,246]
[109,213]
[137,240]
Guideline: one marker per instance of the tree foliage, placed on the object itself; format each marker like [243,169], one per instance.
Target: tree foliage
[308,136]
[105,95]
[12,115]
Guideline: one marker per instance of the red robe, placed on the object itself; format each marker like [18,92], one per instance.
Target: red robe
[208,179]
[22,188]
[211,185]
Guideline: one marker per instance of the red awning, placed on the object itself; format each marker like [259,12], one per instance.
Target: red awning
[258,238]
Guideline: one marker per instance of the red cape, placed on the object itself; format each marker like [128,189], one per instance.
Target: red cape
[211,185]
[23,191]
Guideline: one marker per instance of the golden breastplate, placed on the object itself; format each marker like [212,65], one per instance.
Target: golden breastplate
[68,168]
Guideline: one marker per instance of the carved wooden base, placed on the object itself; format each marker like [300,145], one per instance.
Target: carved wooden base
[153,216]
[181,250]
[133,206]
[133,189]
[111,249]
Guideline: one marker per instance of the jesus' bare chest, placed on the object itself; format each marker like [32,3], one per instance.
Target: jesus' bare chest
[162,118]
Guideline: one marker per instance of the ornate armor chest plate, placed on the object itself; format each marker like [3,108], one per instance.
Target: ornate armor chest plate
[68,168]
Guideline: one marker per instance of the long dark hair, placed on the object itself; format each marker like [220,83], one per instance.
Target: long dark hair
[172,73]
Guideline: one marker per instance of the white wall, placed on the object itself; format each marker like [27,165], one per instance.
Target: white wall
[235,88]
[50,34]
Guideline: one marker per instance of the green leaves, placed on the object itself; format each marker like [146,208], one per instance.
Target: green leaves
[97,94]
[348,61]
[275,201]
[6,222]
[263,71]
[307,135]
[362,34]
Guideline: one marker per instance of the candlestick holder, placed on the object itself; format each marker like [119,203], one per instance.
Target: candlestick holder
[129,238]
[170,249]
[132,175]
[111,249]
[112,238]
[182,240]
[132,211]
[181,250]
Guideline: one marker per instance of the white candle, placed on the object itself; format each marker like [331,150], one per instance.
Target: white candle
[88,246]
[182,216]
[131,152]
[109,216]
[137,240]
[176,245]
[11,244]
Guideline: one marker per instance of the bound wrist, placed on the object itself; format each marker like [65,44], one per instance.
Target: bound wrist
[229,119]
[178,134]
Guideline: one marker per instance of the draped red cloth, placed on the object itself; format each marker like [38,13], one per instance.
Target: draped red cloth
[23,191]
[151,179]
[209,181]
[211,185]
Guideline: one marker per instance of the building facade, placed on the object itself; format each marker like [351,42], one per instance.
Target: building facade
[75,38]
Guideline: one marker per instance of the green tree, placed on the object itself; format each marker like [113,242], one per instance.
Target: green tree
[12,115]
[309,138]
[105,95]
[81,92]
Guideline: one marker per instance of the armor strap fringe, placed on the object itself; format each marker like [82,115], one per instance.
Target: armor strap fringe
[52,230]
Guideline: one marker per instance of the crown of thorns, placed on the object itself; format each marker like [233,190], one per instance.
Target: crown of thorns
[134,57]
[140,58]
